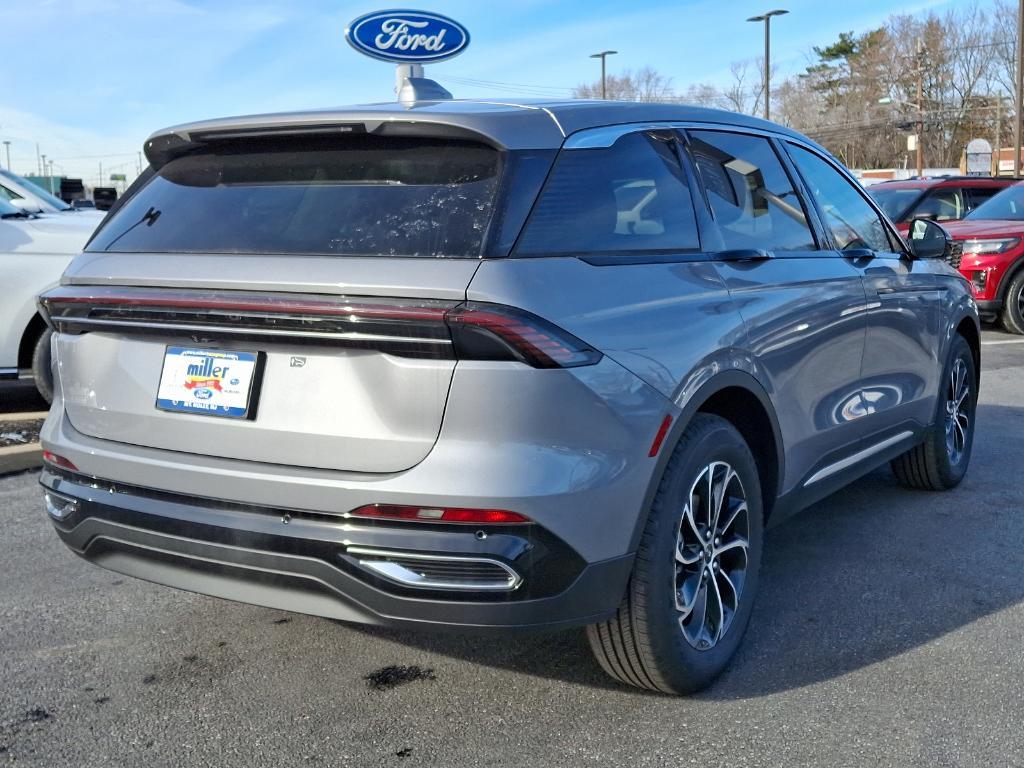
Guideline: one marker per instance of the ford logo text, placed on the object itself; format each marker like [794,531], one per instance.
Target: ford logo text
[412,37]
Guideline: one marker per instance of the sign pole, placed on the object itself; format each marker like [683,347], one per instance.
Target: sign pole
[403,71]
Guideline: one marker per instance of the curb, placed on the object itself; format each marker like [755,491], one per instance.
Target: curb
[18,458]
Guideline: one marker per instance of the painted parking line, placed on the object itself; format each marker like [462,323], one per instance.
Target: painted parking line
[1007,341]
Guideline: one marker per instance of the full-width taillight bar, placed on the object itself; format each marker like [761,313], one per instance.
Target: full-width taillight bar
[423,328]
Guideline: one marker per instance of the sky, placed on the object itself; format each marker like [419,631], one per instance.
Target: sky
[89,80]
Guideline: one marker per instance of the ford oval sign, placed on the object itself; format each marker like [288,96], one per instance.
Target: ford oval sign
[411,37]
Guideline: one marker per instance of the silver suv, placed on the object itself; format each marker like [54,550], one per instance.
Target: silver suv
[490,366]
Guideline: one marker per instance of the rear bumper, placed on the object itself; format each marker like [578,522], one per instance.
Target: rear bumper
[251,555]
[568,449]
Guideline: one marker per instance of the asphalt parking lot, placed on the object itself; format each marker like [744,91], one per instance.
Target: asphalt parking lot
[888,632]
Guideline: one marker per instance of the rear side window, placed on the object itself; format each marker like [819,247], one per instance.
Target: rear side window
[751,195]
[942,204]
[629,197]
[978,195]
[357,196]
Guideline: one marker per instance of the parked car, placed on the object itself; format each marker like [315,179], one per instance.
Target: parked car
[104,197]
[547,367]
[83,205]
[23,194]
[993,261]
[34,251]
[942,199]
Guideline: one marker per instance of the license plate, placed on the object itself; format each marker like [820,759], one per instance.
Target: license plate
[208,382]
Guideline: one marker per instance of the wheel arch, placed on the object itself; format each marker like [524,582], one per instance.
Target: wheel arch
[27,345]
[740,399]
[1008,277]
[969,329]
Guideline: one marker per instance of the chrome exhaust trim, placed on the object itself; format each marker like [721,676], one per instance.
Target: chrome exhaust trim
[454,572]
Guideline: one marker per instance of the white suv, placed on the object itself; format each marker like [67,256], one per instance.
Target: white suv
[26,196]
[34,251]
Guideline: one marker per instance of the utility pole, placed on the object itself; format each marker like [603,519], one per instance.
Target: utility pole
[767,19]
[602,56]
[999,135]
[51,178]
[7,146]
[1018,96]
[920,106]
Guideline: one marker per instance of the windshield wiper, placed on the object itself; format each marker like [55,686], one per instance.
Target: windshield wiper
[18,215]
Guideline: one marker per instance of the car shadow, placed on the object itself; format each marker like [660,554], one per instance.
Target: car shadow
[870,573]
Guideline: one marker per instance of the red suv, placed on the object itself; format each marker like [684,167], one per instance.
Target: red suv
[993,261]
[946,198]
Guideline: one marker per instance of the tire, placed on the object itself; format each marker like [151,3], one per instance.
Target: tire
[941,460]
[41,370]
[1012,315]
[652,641]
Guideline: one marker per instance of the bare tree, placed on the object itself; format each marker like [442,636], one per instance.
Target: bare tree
[646,84]
[858,94]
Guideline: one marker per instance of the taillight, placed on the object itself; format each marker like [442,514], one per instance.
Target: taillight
[438,514]
[493,331]
[55,460]
[421,328]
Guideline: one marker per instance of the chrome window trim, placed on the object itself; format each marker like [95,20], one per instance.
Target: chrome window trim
[605,136]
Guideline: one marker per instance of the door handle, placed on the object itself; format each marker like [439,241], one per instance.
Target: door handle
[743,254]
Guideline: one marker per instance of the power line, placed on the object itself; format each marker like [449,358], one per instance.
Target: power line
[529,86]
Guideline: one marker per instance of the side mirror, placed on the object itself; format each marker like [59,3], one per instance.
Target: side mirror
[28,206]
[930,241]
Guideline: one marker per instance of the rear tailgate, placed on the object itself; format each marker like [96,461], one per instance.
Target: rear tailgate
[321,264]
[319,402]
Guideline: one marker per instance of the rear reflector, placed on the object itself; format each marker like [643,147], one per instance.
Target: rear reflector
[422,328]
[58,461]
[659,438]
[438,514]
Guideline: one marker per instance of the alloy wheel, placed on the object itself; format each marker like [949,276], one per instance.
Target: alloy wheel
[958,420]
[711,555]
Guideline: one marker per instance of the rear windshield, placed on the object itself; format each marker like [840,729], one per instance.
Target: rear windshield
[371,196]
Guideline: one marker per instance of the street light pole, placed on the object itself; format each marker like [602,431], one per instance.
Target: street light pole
[920,108]
[1018,96]
[767,19]
[602,56]
[7,147]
